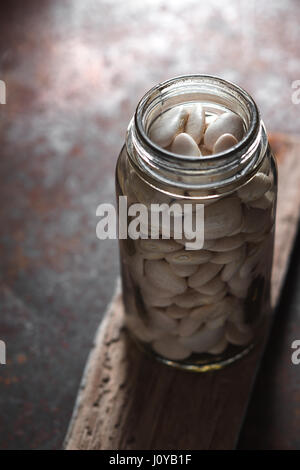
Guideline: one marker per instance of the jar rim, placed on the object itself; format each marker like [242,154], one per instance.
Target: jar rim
[219,170]
[249,136]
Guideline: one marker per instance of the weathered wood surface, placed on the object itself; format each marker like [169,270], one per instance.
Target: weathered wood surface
[128,401]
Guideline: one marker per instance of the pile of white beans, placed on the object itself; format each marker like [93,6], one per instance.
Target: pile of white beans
[195,299]
[186,130]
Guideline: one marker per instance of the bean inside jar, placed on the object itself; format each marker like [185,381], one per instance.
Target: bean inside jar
[200,309]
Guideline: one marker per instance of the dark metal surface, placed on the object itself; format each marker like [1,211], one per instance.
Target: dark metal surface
[74,72]
[273,418]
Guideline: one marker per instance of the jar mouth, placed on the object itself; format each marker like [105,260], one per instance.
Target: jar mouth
[218,167]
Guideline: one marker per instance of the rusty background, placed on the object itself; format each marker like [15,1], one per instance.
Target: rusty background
[74,71]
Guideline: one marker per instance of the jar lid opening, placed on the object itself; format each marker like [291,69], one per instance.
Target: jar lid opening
[216,168]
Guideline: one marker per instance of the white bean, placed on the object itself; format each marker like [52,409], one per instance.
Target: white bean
[226,257]
[166,223]
[207,244]
[222,218]
[184,144]
[141,330]
[251,261]
[189,299]
[256,188]
[216,322]
[160,274]
[184,270]
[227,123]
[196,122]
[212,287]
[188,325]
[228,243]
[204,312]
[235,336]
[224,142]
[152,255]
[231,268]
[159,246]
[219,347]
[204,274]
[171,348]
[168,125]
[151,301]
[158,319]
[202,340]
[185,257]
[239,286]
[209,299]
[213,310]
[265,202]
[176,312]
[150,289]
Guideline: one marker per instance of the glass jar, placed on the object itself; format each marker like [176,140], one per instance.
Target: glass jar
[198,309]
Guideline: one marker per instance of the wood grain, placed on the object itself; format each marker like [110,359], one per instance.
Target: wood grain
[129,401]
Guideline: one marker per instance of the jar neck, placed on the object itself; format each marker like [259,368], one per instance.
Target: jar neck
[208,172]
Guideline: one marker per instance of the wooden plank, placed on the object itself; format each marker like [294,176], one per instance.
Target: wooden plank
[129,401]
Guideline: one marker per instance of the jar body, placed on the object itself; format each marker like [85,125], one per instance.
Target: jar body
[199,309]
